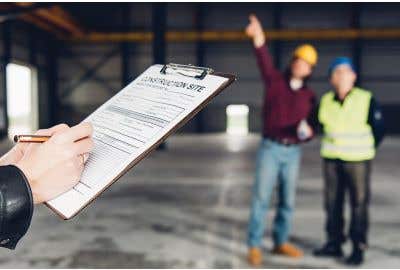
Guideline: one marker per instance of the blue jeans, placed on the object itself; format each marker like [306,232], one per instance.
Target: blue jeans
[276,164]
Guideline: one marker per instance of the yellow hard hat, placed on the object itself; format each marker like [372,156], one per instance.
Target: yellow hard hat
[306,52]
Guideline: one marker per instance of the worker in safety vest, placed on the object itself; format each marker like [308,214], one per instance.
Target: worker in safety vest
[353,127]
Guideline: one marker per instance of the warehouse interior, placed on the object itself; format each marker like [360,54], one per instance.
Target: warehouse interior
[187,206]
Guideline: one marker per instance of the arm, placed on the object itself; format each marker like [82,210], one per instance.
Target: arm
[376,121]
[314,121]
[311,126]
[16,206]
[265,63]
[28,171]
[255,31]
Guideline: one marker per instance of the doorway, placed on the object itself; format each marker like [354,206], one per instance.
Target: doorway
[22,99]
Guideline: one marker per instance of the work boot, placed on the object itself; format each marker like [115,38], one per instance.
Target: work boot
[329,250]
[289,250]
[356,257]
[254,256]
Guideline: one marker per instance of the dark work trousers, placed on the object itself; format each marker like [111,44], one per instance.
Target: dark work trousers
[341,177]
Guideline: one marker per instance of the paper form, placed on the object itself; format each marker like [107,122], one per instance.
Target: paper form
[129,124]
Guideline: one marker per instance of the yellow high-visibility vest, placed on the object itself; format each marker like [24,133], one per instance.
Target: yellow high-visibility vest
[347,134]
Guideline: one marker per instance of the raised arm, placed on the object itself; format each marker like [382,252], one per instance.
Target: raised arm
[255,31]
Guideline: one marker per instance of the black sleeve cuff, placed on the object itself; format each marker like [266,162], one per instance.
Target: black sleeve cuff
[16,206]
[376,121]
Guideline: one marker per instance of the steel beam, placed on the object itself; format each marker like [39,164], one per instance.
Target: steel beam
[52,79]
[6,36]
[32,35]
[56,16]
[159,27]
[125,46]
[89,73]
[16,11]
[239,35]
[76,59]
[277,22]
[44,25]
[200,57]
[357,44]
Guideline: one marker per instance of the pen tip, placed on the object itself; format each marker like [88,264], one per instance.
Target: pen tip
[15,138]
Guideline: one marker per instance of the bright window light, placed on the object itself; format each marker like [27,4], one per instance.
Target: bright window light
[20,93]
[237,117]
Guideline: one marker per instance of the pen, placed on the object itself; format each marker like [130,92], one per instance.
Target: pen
[30,138]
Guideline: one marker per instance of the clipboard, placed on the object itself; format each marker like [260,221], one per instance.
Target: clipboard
[198,73]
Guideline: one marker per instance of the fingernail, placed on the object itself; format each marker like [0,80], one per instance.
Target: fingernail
[85,157]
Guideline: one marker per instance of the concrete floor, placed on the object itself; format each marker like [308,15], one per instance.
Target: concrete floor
[187,208]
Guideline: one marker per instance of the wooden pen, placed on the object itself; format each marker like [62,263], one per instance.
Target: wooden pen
[30,138]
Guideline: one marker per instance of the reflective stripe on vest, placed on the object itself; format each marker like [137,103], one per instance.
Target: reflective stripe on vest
[347,134]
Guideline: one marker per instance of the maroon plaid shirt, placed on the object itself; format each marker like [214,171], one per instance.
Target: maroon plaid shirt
[283,108]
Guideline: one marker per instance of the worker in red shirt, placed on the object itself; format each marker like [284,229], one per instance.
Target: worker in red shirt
[288,105]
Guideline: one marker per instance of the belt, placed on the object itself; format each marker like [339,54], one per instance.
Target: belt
[284,141]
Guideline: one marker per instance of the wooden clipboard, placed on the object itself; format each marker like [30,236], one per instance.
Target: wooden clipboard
[203,72]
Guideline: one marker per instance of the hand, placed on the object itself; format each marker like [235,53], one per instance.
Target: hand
[255,31]
[18,151]
[305,130]
[13,156]
[55,166]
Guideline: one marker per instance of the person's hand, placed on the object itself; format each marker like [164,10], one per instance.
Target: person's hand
[305,131]
[18,151]
[255,31]
[13,156]
[55,166]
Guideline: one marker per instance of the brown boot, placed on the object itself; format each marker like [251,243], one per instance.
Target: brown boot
[255,256]
[289,250]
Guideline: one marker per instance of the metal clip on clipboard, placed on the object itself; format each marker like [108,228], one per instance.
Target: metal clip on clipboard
[186,70]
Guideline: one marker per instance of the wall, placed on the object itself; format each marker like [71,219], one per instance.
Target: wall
[29,46]
[80,93]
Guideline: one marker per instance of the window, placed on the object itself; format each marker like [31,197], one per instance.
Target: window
[237,119]
[22,107]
